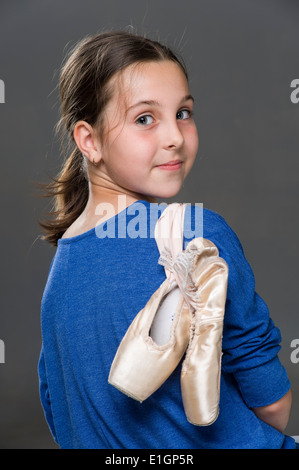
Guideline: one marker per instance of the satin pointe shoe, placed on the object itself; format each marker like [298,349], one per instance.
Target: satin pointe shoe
[140,365]
[201,368]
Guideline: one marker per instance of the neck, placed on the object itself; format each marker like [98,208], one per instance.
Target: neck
[103,192]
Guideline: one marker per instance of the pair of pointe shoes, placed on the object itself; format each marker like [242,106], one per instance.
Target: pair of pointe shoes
[140,365]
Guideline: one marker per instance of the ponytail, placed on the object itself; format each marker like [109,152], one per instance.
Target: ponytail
[70,192]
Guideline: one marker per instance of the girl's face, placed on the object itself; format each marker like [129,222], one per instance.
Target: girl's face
[152,139]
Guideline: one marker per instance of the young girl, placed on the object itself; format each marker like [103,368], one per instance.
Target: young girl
[127,107]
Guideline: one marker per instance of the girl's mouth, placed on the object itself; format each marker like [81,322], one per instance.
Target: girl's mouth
[171,166]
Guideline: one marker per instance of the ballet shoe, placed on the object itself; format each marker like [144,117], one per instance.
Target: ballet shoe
[201,368]
[141,366]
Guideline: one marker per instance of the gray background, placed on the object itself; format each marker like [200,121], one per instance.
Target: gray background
[242,56]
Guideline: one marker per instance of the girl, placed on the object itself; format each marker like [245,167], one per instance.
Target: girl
[127,107]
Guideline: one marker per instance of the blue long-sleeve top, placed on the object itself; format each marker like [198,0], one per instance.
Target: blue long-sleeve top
[95,288]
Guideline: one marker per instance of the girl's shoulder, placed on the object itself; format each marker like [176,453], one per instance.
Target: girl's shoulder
[83,226]
[211,225]
[209,221]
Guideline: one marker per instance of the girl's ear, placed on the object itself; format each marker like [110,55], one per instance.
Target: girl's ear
[87,141]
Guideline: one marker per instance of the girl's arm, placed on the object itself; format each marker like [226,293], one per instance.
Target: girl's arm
[277,414]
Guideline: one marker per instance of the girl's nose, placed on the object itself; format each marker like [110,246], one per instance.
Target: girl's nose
[173,138]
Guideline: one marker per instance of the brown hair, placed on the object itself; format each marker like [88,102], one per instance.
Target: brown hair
[84,93]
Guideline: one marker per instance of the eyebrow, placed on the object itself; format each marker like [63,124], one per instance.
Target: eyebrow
[156,103]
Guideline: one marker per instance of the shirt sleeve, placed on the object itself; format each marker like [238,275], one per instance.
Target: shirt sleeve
[45,395]
[251,341]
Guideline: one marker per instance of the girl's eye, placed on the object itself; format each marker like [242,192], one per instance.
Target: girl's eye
[183,114]
[145,120]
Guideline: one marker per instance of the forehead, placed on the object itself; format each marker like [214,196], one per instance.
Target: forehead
[150,81]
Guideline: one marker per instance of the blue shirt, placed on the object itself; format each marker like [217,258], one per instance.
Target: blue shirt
[95,288]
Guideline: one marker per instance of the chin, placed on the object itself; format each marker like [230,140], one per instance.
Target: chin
[167,194]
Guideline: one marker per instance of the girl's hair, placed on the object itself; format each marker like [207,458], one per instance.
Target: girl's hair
[84,94]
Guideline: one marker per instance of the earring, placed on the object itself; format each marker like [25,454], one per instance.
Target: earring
[93,161]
